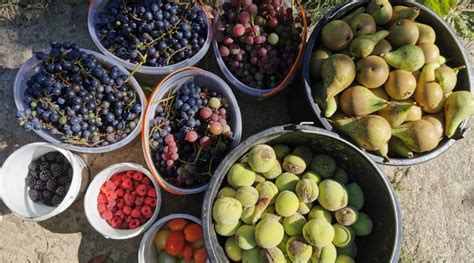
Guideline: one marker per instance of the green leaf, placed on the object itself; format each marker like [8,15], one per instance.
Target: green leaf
[441,7]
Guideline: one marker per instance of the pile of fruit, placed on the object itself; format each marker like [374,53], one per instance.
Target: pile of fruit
[190,135]
[127,200]
[49,178]
[73,96]
[383,70]
[289,205]
[180,241]
[259,40]
[152,33]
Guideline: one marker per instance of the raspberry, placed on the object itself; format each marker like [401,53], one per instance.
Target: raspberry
[116,179]
[143,220]
[151,192]
[127,183]
[147,211]
[61,190]
[107,215]
[124,224]
[139,200]
[129,174]
[145,180]
[34,195]
[51,185]
[120,203]
[141,190]
[110,195]
[127,210]
[148,200]
[134,223]
[111,204]
[120,214]
[56,200]
[101,207]
[109,185]
[136,213]
[116,222]
[101,198]
[114,209]
[128,219]
[45,175]
[129,199]
[153,202]
[137,176]
[120,192]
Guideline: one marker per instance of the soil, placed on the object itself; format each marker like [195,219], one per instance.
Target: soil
[436,198]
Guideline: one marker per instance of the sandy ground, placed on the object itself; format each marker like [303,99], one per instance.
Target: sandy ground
[437,197]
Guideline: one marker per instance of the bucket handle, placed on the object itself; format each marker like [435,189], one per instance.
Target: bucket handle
[1,174]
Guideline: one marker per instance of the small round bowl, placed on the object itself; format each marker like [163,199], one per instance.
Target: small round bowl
[302,102]
[90,202]
[170,85]
[147,251]
[97,5]
[29,68]
[13,189]
[252,92]
[382,245]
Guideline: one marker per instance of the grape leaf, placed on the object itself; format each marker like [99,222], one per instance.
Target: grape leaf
[441,7]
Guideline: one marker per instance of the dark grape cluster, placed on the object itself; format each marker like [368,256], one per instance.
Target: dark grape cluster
[190,135]
[157,33]
[259,40]
[49,178]
[75,97]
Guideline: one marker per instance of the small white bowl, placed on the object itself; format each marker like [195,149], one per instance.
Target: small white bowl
[90,202]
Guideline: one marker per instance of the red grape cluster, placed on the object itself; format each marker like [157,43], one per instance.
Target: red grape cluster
[190,135]
[259,41]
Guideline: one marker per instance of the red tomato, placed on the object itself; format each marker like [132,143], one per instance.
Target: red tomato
[175,243]
[200,255]
[188,253]
[192,232]
[177,224]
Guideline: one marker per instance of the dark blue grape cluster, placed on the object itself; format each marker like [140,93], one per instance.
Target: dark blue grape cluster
[49,178]
[75,97]
[157,33]
[190,135]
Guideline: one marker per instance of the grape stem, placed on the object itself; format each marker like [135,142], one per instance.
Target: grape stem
[136,67]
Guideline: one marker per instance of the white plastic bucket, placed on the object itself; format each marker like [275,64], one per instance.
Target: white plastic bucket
[90,202]
[14,191]
[170,85]
[29,68]
[147,251]
[97,5]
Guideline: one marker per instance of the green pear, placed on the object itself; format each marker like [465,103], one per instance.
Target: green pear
[408,57]
[382,47]
[362,46]
[438,122]
[383,152]
[437,107]
[418,136]
[397,147]
[329,106]
[370,132]
[458,107]
[403,12]
[363,24]
[427,34]
[317,59]
[381,11]
[447,77]
[380,92]
[396,113]
[349,17]
[431,52]
[403,32]
[338,72]
[428,93]
[360,101]
[337,35]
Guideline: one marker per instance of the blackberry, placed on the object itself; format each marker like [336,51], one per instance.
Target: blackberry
[45,175]
[30,181]
[60,158]
[56,170]
[63,180]
[33,174]
[48,202]
[44,166]
[61,190]
[56,200]
[47,195]
[51,185]
[34,165]
[40,185]
[34,195]
[51,156]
